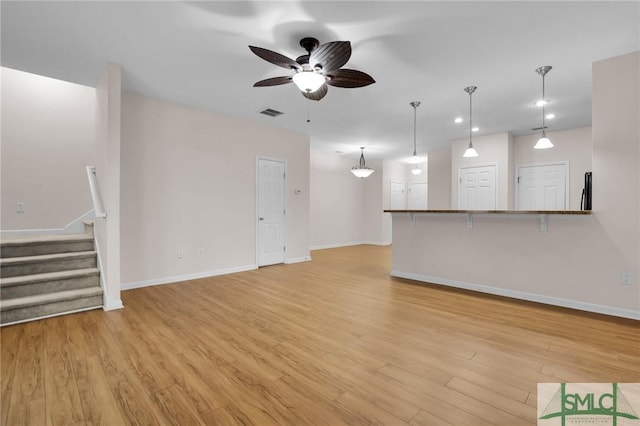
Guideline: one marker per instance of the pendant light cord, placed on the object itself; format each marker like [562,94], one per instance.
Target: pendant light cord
[470,119]
[543,102]
[415,105]
[542,71]
[415,108]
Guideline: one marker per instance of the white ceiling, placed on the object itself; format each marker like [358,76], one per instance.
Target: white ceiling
[196,53]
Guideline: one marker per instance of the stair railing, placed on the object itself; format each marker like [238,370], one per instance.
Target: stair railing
[98,207]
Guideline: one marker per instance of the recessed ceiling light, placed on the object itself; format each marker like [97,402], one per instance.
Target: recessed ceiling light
[541,102]
[458,120]
[550,116]
[475,129]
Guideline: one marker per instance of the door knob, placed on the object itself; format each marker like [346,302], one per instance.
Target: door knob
[261,218]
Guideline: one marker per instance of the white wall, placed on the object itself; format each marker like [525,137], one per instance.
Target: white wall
[377,229]
[492,149]
[578,262]
[189,183]
[439,178]
[48,134]
[574,146]
[337,201]
[108,169]
[616,162]
[392,171]
[346,210]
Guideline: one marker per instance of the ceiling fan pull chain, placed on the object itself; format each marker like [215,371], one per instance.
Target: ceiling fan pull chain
[308,110]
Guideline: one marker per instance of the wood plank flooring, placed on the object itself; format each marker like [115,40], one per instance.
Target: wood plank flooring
[335,341]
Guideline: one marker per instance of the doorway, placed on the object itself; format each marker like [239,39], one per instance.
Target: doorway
[477,188]
[398,197]
[271,186]
[542,186]
[417,196]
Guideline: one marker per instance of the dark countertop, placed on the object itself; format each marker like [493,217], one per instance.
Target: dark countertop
[565,212]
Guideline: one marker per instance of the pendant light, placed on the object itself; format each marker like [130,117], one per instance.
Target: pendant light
[361,170]
[470,152]
[414,158]
[543,142]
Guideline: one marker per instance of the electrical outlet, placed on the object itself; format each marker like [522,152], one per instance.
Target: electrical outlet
[180,254]
[625,278]
[201,252]
[20,207]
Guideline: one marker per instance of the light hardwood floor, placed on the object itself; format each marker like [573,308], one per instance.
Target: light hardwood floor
[334,341]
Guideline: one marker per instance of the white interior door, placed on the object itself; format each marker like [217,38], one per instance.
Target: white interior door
[477,188]
[542,187]
[417,196]
[271,212]
[398,196]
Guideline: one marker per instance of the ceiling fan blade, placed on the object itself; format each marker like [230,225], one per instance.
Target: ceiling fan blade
[275,58]
[318,94]
[349,78]
[273,81]
[331,56]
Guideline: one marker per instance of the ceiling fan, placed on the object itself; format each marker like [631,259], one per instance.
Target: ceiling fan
[315,70]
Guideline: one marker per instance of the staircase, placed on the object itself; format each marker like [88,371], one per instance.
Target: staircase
[47,275]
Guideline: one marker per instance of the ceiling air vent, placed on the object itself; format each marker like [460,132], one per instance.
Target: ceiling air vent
[271,112]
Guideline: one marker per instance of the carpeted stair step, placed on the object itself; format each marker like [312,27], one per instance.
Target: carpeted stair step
[50,282]
[39,245]
[29,265]
[43,305]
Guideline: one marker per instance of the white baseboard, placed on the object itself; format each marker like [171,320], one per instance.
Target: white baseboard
[76,226]
[298,260]
[178,278]
[377,243]
[515,294]
[112,304]
[353,243]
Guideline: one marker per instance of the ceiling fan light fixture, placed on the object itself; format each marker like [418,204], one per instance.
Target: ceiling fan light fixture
[315,71]
[361,170]
[308,81]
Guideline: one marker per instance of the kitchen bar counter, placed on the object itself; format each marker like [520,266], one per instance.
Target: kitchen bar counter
[543,214]
[562,258]
[578,212]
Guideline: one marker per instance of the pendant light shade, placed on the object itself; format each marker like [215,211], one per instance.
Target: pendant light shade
[470,152]
[361,170]
[416,171]
[544,142]
[414,158]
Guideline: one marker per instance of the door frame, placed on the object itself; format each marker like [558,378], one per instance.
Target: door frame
[567,175]
[475,166]
[257,208]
